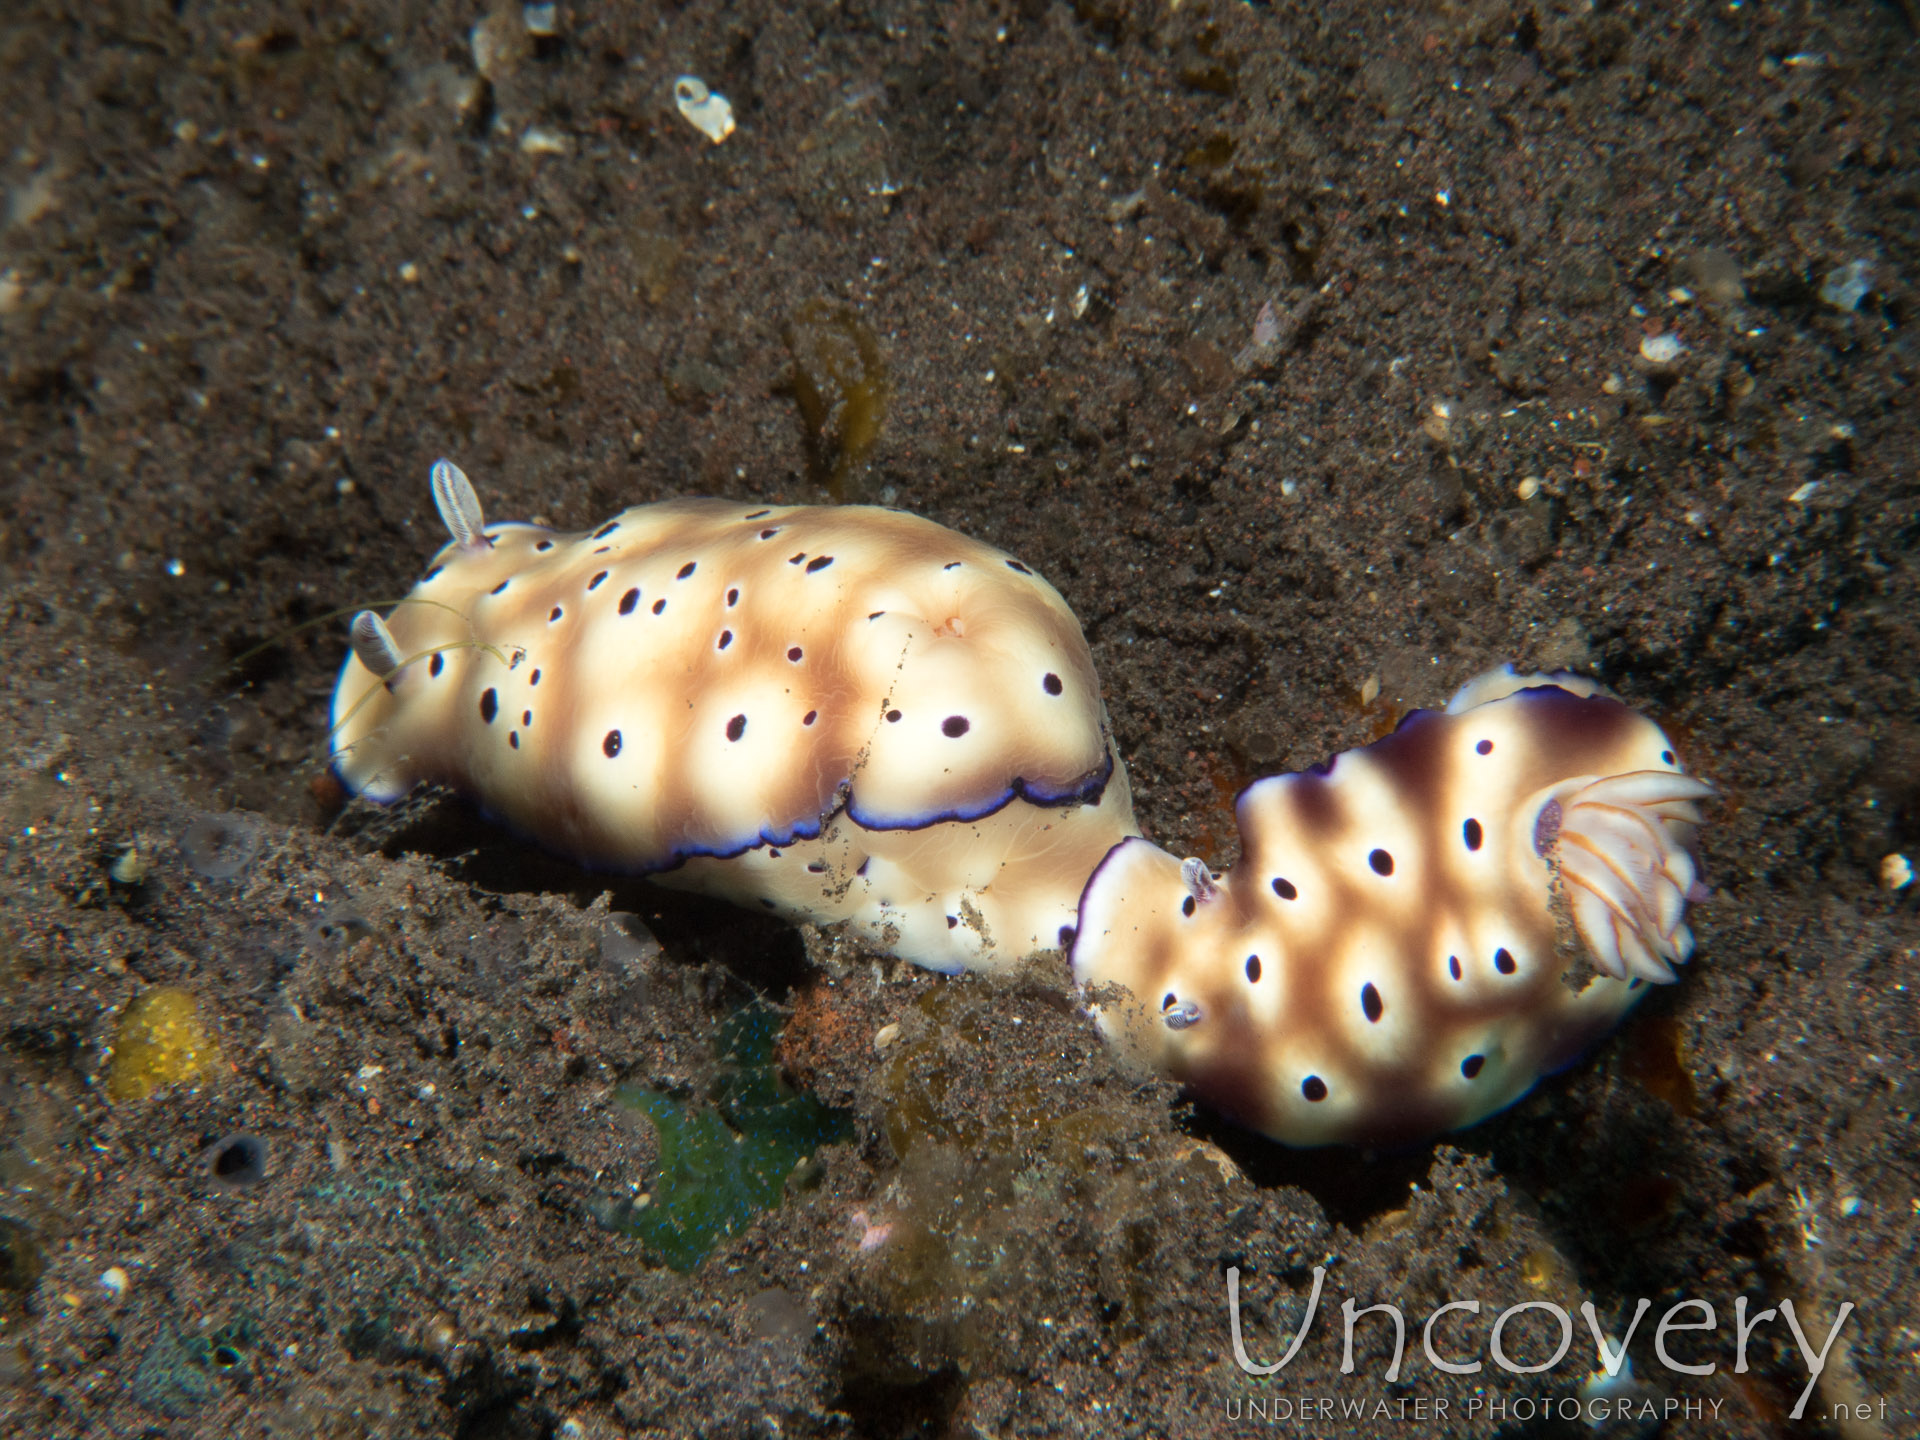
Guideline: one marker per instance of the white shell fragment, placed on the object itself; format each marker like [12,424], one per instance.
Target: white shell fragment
[833,713]
[1389,958]
[1662,349]
[540,140]
[706,110]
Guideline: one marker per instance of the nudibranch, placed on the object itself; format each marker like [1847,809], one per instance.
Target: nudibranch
[853,715]
[836,713]
[1395,952]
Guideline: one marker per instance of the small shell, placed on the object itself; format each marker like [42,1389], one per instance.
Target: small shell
[706,110]
[132,866]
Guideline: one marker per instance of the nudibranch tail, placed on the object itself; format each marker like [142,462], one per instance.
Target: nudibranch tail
[1387,959]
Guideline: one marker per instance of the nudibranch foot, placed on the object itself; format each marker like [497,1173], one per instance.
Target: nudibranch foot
[1387,959]
[840,714]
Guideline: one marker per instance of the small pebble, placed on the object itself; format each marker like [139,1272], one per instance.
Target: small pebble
[541,141]
[1844,288]
[1205,1150]
[1662,349]
[886,1035]
[441,1335]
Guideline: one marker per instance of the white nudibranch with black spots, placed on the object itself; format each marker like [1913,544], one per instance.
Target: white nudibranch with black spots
[835,713]
[1394,954]
[853,715]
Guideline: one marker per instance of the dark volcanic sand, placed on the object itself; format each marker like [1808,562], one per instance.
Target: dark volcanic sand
[262,263]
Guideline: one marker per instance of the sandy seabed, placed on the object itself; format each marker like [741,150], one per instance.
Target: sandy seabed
[1586,346]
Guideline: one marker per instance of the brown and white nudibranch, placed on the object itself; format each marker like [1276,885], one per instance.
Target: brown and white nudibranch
[1391,956]
[835,713]
[854,715]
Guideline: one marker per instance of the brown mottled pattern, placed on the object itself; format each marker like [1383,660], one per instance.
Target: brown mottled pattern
[1261,1043]
[779,669]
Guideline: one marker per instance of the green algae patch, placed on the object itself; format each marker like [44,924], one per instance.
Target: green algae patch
[725,1158]
[162,1039]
